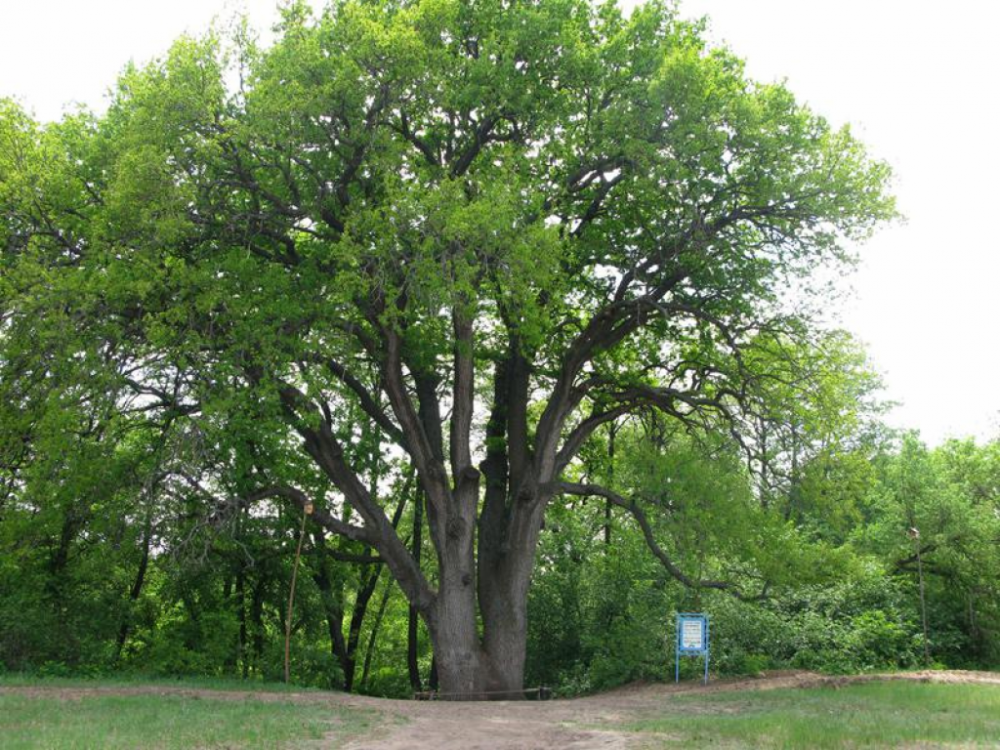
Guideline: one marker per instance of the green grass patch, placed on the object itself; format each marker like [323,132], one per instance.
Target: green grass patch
[877,714]
[131,679]
[67,719]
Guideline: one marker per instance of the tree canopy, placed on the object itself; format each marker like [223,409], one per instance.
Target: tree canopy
[440,244]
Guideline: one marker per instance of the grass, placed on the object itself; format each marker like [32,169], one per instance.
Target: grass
[132,679]
[71,719]
[876,714]
[61,713]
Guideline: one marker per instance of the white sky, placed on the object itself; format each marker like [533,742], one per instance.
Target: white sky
[918,81]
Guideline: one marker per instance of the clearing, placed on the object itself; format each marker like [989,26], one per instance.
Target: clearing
[781,709]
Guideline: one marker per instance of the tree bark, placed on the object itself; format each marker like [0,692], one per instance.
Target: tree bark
[452,621]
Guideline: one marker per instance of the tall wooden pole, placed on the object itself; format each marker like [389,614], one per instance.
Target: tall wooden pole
[291,594]
[915,535]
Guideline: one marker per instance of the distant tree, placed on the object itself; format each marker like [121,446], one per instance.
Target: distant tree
[478,229]
[935,513]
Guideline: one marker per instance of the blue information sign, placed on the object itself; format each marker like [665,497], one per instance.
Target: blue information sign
[692,640]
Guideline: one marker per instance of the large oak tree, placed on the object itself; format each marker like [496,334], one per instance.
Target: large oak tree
[477,230]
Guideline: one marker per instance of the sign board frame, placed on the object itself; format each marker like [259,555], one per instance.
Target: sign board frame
[690,625]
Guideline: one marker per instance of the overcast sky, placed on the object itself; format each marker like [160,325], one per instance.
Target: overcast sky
[917,81]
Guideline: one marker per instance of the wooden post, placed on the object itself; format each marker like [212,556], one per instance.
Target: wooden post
[291,594]
[914,533]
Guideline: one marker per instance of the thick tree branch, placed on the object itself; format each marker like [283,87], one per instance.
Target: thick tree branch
[328,454]
[480,137]
[367,400]
[575,440]
[463,400]
[430,467]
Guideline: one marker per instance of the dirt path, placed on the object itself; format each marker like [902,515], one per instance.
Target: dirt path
[505,725]
[557,724]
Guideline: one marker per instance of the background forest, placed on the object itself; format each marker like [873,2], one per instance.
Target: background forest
[111,561]
[437,294]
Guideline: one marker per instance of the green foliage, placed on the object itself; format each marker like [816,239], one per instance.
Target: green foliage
[603,615]
[387,172]
[597,614]
[862,623]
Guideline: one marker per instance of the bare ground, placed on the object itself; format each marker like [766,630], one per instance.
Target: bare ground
[513,725]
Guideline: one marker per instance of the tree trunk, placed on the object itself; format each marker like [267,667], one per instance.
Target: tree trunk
[504,580]
[361,601]
[241,604]
[505,626]
[468,667]
[373,637]
[472,669]
[412,646]
[457,650]
[136,589]
[257,620]
[612,432]
[332,603]
[453,620]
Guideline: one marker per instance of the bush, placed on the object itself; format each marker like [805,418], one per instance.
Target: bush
[864,623]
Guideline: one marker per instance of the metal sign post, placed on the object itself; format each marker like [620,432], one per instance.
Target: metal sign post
[692,640]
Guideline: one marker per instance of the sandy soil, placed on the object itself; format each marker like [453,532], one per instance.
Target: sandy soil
[514,725]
